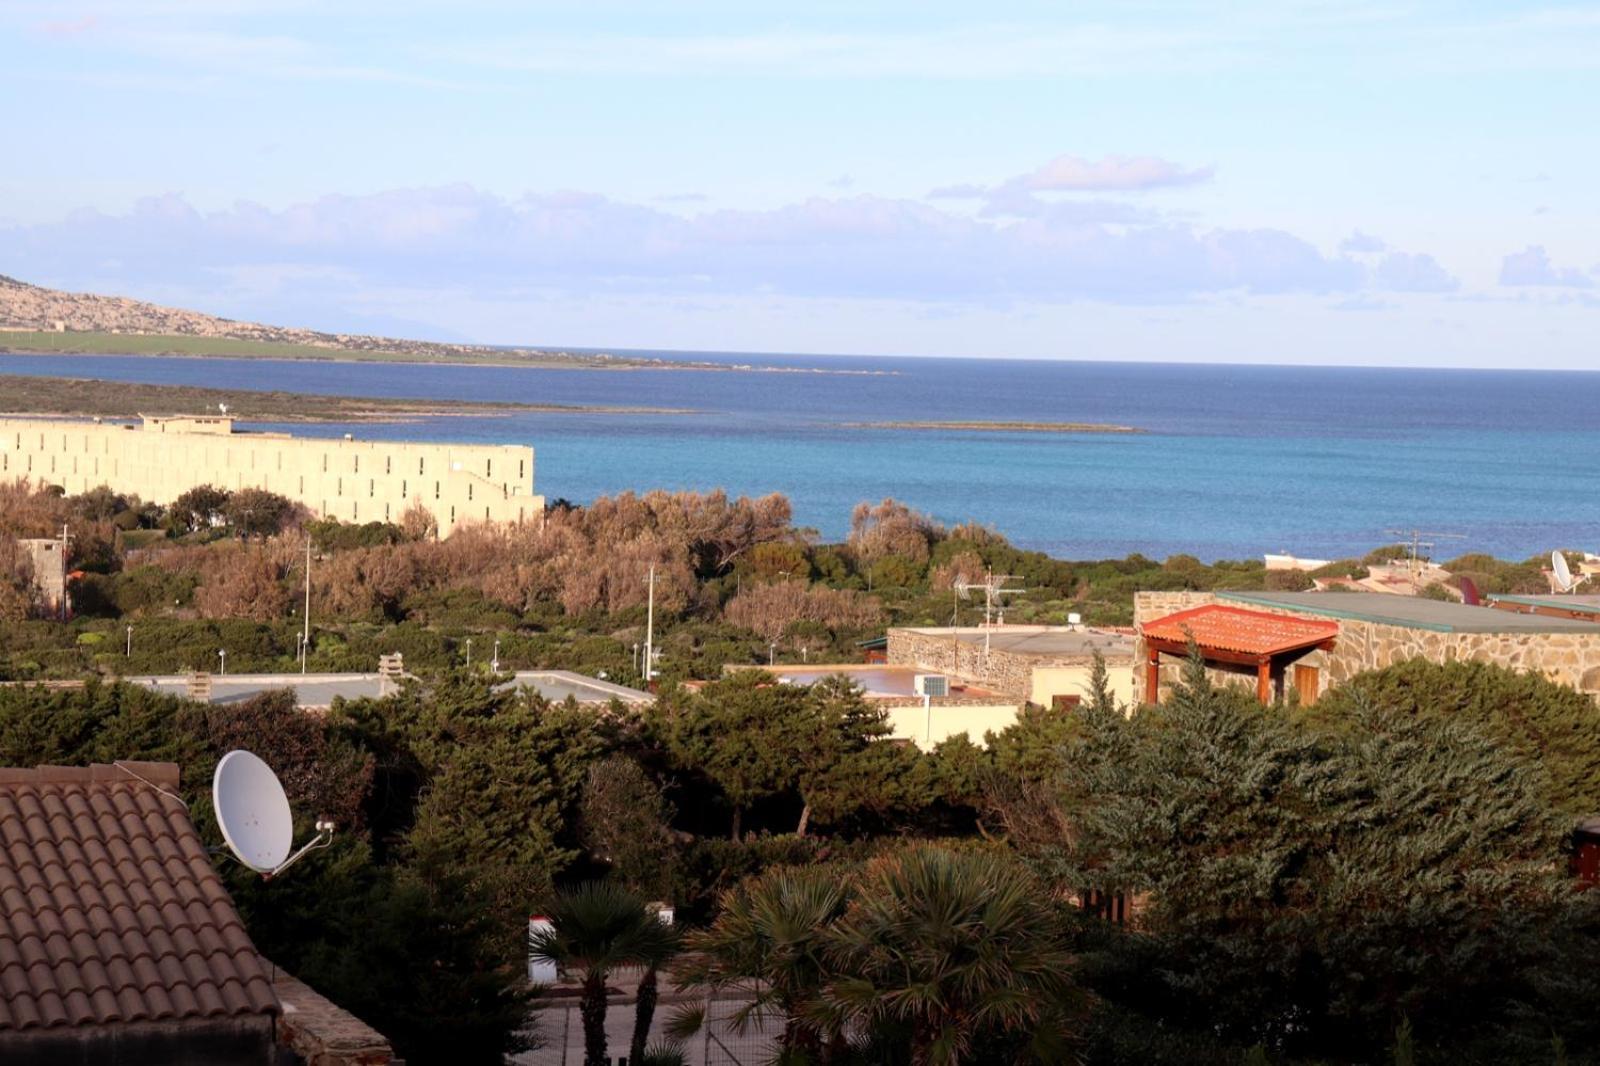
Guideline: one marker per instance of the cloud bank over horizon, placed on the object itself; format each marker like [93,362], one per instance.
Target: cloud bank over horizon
[859,247]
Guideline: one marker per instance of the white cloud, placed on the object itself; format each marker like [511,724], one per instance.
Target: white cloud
[1532,266]
[1359,243]
[1070,173]
[858,247]
[1408,272]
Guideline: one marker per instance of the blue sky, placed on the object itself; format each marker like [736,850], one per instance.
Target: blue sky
[1278,182]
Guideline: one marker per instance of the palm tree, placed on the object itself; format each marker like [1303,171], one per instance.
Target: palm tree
[596,927]
[942,946]
[767,943]
[655,948]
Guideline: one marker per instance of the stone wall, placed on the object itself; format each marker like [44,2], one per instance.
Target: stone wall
[1007,673]
[320,1033]
[1567,658]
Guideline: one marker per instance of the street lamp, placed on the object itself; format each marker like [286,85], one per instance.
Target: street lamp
[494,663]
[223,657]
[469,653]
[128,651]
[772,653]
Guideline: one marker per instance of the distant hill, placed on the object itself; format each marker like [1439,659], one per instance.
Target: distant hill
[35,319]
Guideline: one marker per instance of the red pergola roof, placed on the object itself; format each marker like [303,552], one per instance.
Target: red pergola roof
[1238,631]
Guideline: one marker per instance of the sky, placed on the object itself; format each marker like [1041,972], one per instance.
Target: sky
[1285,182]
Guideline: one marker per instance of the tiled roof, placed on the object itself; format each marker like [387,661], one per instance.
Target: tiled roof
[1244,632]
[110,910]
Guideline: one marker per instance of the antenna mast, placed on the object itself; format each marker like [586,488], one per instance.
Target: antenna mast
[305,636]
[1417,544]
[650,630]
[993,588]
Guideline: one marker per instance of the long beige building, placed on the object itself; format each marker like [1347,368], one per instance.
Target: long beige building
[158,459]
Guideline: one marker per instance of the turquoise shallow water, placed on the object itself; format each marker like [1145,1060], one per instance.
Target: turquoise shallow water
[1236,460]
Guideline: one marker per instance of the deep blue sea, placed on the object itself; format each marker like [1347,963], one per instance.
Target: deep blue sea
[1236,460]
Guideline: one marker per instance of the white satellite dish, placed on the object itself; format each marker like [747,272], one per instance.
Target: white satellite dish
[253,811]
[1565,582]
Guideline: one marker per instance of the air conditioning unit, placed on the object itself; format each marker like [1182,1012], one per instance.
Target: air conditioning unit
[931,685]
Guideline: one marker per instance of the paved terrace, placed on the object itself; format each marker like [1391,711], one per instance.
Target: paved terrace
[1410,612]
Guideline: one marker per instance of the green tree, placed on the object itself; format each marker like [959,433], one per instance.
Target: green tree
[257,513]
[625,822]
[767,941]
[940,949]
[1539,722]
[742,732]
[199,508]
[597,927]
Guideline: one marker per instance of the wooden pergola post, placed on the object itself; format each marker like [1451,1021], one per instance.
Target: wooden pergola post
[1264,679]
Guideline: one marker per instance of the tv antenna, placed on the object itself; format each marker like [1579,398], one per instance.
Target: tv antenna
[1417,543]
[1561,574]
[253,812]
[994,590]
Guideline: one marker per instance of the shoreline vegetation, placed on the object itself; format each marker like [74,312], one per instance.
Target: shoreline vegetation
[92,397]
[1005,427]
[183,346]
[39,321]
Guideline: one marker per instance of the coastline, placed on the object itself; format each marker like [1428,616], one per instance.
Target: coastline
[537,359]
[76,398]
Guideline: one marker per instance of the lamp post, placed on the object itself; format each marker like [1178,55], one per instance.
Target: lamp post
[128,650]
[494,663]
[772,654]
[222,657]
[469,653]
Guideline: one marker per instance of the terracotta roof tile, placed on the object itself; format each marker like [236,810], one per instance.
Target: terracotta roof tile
[1238,630]
[110,910]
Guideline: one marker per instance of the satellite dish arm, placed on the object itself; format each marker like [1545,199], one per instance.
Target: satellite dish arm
[323,838]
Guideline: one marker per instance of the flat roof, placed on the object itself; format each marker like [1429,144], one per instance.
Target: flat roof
[320,690]
[1412,612]
[1045,642]
[875,679]
[1585,604]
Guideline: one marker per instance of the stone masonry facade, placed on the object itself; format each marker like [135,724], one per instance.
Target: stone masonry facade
[1006,673]
[1569,658]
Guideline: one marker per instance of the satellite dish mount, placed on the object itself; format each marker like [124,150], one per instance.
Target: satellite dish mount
[1561,575]
[253,812]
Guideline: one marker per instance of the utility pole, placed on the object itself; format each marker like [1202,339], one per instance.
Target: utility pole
[650,630]
[66,538]
[305,635]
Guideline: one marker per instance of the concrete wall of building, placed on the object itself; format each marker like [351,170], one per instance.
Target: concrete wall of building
[1568,658]
[351,480]
[943,719]
[1048,682]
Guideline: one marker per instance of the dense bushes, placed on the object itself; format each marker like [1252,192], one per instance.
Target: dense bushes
[1311,882]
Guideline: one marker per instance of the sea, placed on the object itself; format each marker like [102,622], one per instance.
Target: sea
[1233,461]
